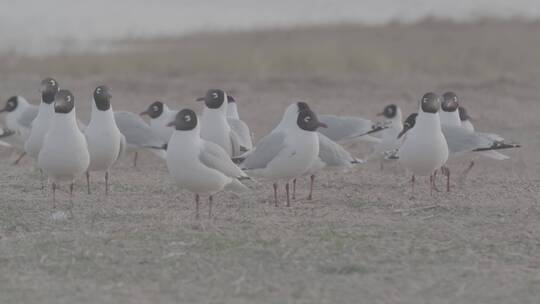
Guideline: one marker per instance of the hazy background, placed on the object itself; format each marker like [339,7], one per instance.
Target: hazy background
[40,27]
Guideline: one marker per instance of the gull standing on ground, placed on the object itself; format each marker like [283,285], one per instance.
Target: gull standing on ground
[214,124]
[138,135]
[237,125]
[40,125]
[64,155]
[424,148]
[105,142]
[198,165]
[289,150]
[462,141]
[160,115]
[19,117]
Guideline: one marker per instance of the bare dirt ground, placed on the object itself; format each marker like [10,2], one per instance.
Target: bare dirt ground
[362,240]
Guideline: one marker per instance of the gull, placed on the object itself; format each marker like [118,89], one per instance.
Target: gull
[214,124]
[198,165]
[332,157]
[64,154]
[138,135]
[424,149]
[237,125]
[462,140]
[40,125]
[289,150]
[105,142]
[19,117]
[160,115]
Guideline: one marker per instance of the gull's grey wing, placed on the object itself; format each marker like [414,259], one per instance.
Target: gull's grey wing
[333,154]
[213,156]
[494,137]
[265,151]
[27,117]
[136,131]
[242,130]
[342,128]
[460,139]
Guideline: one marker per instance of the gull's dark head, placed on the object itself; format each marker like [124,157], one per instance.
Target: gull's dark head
[49,88]
[11,104]
[390,111]
[214,98]
[430,103]
[102,97]
[185,120]
[450,102]
[154,110]
[64,102]
[307,120]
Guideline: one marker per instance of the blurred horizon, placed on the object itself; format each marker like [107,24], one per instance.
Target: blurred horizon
[32,27]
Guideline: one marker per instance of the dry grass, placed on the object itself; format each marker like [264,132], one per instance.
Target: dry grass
[362,239]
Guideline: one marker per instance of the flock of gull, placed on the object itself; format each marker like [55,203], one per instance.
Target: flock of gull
[214,151]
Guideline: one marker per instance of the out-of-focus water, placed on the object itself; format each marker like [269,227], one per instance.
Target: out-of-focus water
[43,26]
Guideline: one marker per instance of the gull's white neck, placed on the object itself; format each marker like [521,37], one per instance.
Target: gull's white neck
[450,118]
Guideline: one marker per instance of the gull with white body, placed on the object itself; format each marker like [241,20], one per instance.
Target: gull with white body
[214,124]
[289,150]
[424,148]
[198,165]
[105,142]
[64,155]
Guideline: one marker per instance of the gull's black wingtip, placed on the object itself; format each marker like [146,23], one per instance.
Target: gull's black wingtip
[499,145]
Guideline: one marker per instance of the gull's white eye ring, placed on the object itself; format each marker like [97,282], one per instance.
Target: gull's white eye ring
[307,119]
[425,100]
[187,118]
[98,90]
[155,108]
[214,95]
[52,82]
[68,98]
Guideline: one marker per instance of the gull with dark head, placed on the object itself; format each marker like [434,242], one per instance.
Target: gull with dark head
[424,148]
[214,124]
[64,154]
[289,150]
[105,142]
[198,165]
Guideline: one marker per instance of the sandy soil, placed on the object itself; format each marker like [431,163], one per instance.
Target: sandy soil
[361,240]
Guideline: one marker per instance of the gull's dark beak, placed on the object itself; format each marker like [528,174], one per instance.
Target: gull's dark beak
[201,99]
[3,110]
[322,125]
[144,113]
[380,114]
[172,124]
